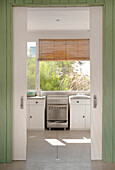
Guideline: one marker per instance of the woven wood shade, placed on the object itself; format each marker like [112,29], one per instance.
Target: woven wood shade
[60,50]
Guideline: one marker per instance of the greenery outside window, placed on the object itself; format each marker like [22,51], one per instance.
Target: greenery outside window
[56,75]
[31,65]
[65,75]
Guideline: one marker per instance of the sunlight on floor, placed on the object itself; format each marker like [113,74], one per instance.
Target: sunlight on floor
[55,142]
[84,140]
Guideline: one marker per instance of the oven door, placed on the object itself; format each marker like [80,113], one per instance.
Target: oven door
[57,112]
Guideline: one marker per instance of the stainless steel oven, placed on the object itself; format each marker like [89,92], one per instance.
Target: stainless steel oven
[57,111]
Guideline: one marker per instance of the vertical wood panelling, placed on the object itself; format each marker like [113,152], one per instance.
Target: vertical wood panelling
[54,1]
[98,1]
[28,1]
[64,1]
[19,2]
[107,83]
[82,1]
[46,2]
[3,91]
[37,1]
[90,1]
[73,1]
[113,81]
[9,82]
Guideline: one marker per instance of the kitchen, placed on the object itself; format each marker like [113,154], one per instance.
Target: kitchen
[44,120]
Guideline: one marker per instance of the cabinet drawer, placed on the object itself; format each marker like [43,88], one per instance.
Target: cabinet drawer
[80,101]
[35,102]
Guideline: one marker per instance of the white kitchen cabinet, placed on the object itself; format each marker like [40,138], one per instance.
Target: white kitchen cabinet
[79,114]
[36,114]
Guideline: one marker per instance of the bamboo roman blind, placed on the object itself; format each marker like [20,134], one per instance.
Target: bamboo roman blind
[63,49]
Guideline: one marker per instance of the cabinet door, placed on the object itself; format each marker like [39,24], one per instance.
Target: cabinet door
[37,117]
[87,116]
[77,117]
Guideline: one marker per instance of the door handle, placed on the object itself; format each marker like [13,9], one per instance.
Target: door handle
[94,101]
[22,102]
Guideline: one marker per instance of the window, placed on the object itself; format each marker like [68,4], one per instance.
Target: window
[64,64]
[65,75]
[31,65]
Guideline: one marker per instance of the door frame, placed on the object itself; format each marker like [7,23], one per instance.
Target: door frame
[6,65]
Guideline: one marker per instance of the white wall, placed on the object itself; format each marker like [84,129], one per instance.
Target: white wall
[36,35]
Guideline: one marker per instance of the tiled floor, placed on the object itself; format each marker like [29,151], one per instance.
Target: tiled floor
[41,151]
[41,155]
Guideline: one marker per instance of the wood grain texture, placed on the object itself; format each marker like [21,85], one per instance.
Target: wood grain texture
[3,91]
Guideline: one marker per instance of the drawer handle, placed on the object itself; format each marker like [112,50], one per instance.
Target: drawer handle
[36,102]
[77,101]
[83,116]
[30,116]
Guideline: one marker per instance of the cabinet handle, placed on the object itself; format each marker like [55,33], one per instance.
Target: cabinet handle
[36,102]
[83,116]
[77,101]
[30,116]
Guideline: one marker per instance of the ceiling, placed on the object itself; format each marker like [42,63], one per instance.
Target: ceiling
[56,18]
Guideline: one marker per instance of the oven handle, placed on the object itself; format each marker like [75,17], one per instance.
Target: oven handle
[57,106]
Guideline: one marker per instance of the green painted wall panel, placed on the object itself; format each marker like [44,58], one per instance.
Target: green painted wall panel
[55,1]
[107,83]
[90,1]
[82,1]
[64,1]
[46,2]
[37,1]
[73,1]
[98,1]
[9,82]
[28,1]
[113,81]
[19,2]
[3,91]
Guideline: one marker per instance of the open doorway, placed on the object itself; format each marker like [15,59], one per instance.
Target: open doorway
[59,143]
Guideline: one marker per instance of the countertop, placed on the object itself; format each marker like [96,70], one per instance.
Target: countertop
[79,97]
[36,97]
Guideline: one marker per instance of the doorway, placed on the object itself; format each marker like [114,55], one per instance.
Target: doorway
[95,34]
